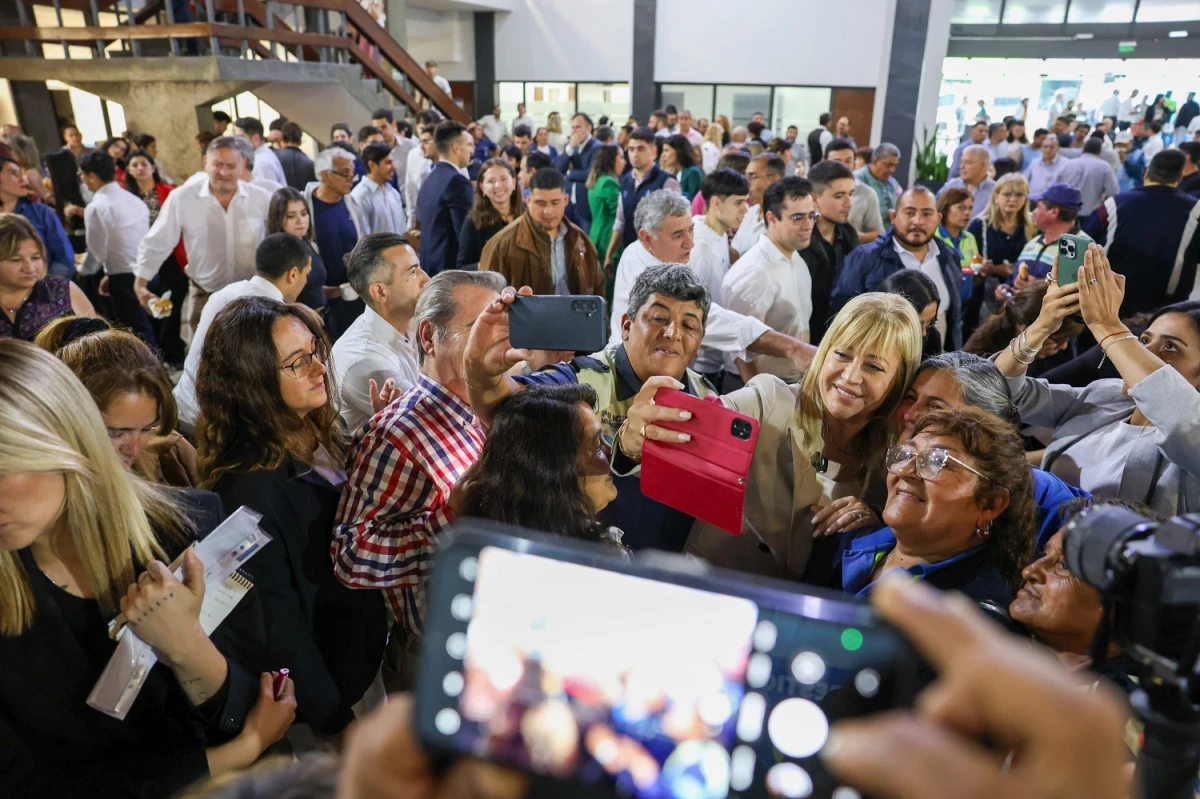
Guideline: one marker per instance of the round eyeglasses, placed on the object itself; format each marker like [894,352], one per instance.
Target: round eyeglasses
[928,464]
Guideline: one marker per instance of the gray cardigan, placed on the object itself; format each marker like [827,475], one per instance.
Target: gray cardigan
[1170,458]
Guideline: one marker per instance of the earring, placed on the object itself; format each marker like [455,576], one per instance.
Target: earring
[983,530]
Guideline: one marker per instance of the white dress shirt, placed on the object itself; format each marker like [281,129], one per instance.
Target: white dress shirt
[416,169]
[220,243]
[443,84]
[381,205]
[753,226]
[725,331]
[776,289]
[267,184]
[933,270]
[709,259]
[710,155]
[527,121]
[185,392]
[494,128]
[1153,146]
[266,165]
[371,349]
[115,222]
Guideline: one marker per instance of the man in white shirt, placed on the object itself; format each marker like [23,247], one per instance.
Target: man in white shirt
[1056,109]
[115,222]
[385,272]
[771,281]
[281,266]
[377,198]
[494,127]
[396,135]
[1154,142]
[1128,108]
[1044,172]
[1111,106]
[762,171]
[266,163]
[685,128]
[420,163]
[725,192]
[431,68]
[222,219]
[664,226]
[522,119]
[248,176]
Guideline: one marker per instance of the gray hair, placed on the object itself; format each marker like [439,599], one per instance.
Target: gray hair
[247,150]
[437,305]
[224,143]
[977,150]
[885,150]
[980,383]
[677,281]
[366,264]
[657,206]
[325,158]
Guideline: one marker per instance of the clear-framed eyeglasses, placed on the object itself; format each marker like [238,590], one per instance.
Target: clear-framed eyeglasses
[928,464]
[301,365]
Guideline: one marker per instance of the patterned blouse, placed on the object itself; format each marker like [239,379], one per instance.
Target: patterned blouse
[150,198]
[50,299]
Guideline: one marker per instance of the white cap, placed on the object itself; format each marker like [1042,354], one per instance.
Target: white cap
[1125,137]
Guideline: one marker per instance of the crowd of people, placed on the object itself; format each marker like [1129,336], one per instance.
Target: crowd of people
[324,339]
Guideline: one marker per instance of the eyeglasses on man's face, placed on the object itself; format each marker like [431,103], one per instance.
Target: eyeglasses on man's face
[927,464]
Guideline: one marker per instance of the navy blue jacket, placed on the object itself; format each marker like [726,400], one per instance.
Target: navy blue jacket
[869,265]
[443,205]
[59,253]
[1150,235]
[577,167]
[631,196]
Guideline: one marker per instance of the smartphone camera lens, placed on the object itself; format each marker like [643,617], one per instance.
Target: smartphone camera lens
[741,429]
[577,306]
[1067,248]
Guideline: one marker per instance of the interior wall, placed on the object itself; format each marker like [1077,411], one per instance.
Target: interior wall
[792,42]
[566,40]
[447,37]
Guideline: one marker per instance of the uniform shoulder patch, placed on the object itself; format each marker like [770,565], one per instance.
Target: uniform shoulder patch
[582,362]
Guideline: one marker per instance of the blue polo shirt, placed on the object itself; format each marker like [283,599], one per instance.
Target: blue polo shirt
[335,236]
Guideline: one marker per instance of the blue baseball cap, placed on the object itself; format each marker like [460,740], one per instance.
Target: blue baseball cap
[1060,194]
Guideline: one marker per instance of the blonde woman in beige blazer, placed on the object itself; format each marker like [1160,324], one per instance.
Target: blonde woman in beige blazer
[820,443]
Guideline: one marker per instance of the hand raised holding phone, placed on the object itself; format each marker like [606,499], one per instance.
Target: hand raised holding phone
[489,353]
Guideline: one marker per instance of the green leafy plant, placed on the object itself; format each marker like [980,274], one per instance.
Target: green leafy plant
[931,162]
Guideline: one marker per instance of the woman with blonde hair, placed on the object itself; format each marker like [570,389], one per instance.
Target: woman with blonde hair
[558,139]
[818,463]
[133,392]
[710,147]
[76,529]
[726,128]
[29,298]
[1000,230]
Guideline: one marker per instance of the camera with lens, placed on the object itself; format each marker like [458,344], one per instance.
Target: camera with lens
[1148,576]
[1066,248]
[585,306]
[741,429]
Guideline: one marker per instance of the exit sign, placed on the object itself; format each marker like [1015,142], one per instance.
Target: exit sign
[1126,47]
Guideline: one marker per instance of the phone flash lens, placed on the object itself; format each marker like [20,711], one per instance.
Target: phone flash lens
[460,607]
[808,668]
[452,684]
[846,792]
[750,717]
[764,636]
[468,568]
[741,768]
[789,781]
[456,645]
[447,721]
[798,728]
[758,671]
[867,682]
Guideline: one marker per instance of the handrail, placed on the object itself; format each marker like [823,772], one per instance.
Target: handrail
[180,30]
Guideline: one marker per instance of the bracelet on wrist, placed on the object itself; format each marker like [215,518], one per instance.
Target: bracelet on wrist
[1122,332]
[620,447]
[1012,349]
[1023,345]
[1104,350]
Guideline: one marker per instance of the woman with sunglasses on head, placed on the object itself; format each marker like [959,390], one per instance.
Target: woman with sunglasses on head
[1135,437]
[270,438]
[959,511]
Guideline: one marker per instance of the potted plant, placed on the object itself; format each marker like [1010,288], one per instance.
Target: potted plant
[932,169]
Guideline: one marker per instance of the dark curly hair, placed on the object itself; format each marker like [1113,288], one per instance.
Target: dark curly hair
[244,425]
[1018,311]
[998,453]
[528,472]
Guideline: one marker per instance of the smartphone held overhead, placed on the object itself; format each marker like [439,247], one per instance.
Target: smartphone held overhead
[575,323]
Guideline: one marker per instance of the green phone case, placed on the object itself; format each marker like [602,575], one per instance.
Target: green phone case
[1071,250]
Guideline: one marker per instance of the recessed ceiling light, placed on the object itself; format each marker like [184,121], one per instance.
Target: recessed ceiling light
[1085,36]
[1178,34]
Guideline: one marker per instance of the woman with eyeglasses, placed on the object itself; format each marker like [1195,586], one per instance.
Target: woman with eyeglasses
[1001,230]
[959,511]
[270,438]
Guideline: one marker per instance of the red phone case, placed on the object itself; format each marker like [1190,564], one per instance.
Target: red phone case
[704,477]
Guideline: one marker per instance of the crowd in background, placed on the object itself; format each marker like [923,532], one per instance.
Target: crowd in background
[324,338]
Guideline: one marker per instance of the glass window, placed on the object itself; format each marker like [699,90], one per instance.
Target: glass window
[542,98]
[798,106]
[1035,11]
[508,94]
[604,100]
[1101,11]
[1168,10]
[976,12]
[740,103]
[694,97]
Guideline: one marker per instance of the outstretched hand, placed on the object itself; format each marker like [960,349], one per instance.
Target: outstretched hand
[1101,291]
[489,353]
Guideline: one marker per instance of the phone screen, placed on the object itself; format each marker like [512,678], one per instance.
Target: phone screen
[652,689]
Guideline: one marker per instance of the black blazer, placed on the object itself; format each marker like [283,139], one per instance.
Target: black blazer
[331,637]
[297,167]
[442,206]
[52,744]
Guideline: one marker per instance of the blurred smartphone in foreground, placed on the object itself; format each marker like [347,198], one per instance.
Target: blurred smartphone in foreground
[543,322]
[657,677]
[705,477]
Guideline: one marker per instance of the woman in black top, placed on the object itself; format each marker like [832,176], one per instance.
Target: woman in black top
[288,213]
[497,203]
[1001,230]
[269,438]
[76,529]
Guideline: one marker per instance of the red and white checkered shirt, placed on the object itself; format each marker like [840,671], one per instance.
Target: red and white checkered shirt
[400,471]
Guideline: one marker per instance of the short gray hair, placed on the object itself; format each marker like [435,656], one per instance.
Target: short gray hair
[366,265]
[977,150]
[885,150]
[437,305]
[979,381]
[657,206]
[247,150]
[224,143]
[325,159]
[677,281]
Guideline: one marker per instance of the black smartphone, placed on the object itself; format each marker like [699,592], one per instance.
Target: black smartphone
[654,676]
[548,322]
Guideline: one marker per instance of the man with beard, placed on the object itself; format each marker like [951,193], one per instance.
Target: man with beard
[910,244]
